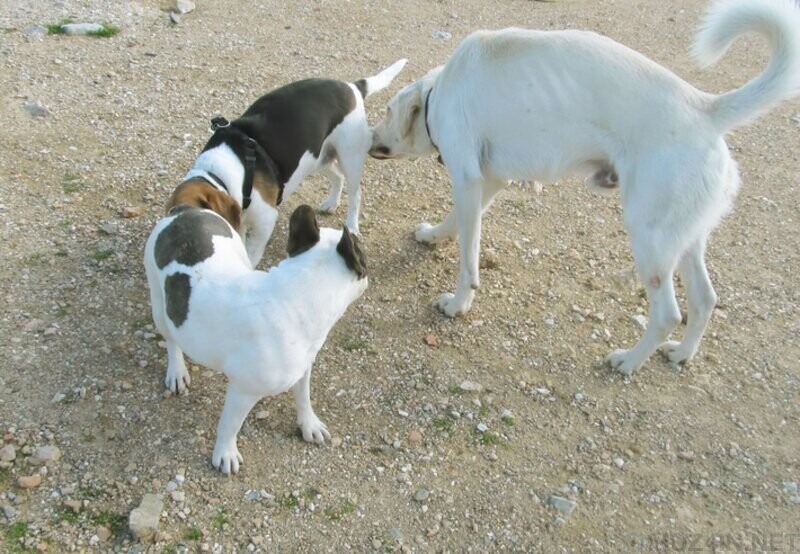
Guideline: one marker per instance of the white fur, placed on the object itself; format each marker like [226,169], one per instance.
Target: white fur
[263,330]
[517,104]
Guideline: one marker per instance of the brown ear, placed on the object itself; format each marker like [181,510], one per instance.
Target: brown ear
[224,204]
[349,249]
[303,230]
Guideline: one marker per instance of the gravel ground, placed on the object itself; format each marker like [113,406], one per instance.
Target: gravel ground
[500,431]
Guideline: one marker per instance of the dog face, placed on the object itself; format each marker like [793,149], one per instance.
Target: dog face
[402,133]
[201,194]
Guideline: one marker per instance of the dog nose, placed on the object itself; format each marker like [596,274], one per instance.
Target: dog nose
[379,152]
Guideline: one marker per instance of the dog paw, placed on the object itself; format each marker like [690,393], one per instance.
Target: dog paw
[178,381]
[449,306]
[329,205]
[227,458]
[314,430]
[620,360]
[675,353]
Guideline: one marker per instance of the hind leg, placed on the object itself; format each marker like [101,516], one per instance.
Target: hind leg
[655,265]
[701,301]
[336,180]
[314,430]
[177,379]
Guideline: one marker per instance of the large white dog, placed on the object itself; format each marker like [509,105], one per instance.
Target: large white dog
[517,104]
[263,330]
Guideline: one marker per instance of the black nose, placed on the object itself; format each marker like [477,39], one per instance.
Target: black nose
[380,152]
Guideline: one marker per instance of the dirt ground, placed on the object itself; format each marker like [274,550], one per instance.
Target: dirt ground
[707,457]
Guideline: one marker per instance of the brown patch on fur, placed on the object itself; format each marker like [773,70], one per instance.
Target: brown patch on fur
[267,189]
[201,194]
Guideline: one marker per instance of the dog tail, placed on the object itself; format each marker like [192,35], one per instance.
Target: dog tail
[380,81]
[778,21]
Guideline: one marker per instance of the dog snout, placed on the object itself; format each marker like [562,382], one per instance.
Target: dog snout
[380,152]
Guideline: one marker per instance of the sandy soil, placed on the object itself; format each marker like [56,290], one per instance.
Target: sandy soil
[696,458]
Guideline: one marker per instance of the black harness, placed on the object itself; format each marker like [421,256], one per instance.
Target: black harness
[250,147]
[428,129]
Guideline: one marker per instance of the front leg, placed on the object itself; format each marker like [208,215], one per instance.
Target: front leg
[238,403]
[313,429]
[177,379]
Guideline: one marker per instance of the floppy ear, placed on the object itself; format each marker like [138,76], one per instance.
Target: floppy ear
[224,205]
[349,249]
[303,230]
[411,111]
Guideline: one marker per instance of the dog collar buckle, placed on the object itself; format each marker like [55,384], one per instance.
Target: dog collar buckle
[219,123]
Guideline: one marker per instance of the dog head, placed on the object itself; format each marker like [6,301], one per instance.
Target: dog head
[304,235]
[403,133]
[198,193]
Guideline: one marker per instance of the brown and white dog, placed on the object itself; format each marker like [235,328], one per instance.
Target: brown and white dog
[250,164]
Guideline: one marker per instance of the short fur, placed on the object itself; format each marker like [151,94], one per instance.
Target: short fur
[310,126]
[263,330]
[517,104]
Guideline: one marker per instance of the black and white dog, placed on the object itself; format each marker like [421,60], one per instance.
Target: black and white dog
[252,163]
[263,330]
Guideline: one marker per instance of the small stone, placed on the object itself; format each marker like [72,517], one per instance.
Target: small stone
[58,397]
[252,495]
[8,453]
[184,6]
[178,496]
[103,533]
[619,462]
[110,228]
[482,427]
[421,495]
[262,414]
[790,487]
[640,321]
[336,442]
[74,505]
[36,31]
[36,108]
[81,29]
[549,321]
[175,17]
[45,454]
[395,533]
[687,456]
[563,505]
[10,512]
[172,486]
[131,211]
[414,437]
[470,386]
[30,482]
[431,340]
[442,35]
[143,521]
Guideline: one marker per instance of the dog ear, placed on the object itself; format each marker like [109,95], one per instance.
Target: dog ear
[413,107]
[224,205]
[303,230]
[349,249]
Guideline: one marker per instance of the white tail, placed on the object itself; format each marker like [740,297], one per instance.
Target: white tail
[373,84]
[778,21]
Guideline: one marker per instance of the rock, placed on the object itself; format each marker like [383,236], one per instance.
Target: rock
[619,462]
[687,456]
[414,437]
[336,442]
[131,211]
[8,453]
[421,495]
[790,487]
[30,482]
[482,427]
[109,228]
[178,496]
[36,108]
[470,386]
[103,533]
[442,35]
[395,534]
[432,340]
[45,454]
[36,31]
[184,6]
[10,512]
[640,321]
[175,17]
[81,29]
[262,414]
[563,505]
[74,505]
[58,397]
[143,521]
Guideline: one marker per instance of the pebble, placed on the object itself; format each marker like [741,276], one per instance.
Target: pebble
[563,505]
[470,386]
[80,29]
[58,397]
[30,482]
[178,496]
[103,533]
[8,453]
[74,505]
[143,521]
[790,487]
[336,442]
[45,454]
[395,533]
[619,462]
[184,6]
[687,456]
[132,211]
[442,35]
[262,414]
[36,31]
[36,108]
[421,495]
[482,427]
[640,321]
[10,512]
[414,437]
[175,17]
[110,228]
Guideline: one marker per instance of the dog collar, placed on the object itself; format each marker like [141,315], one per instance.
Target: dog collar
[250,147]
[215,180]
[428,129]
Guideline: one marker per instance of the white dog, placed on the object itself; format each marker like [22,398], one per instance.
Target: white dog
[261,329]
[517,104]
[251,164]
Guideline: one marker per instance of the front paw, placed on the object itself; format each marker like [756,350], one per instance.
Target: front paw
[178,380]
[329,205]
[226,458]
[313,429]
[424,234]
[621,360]
[450,306]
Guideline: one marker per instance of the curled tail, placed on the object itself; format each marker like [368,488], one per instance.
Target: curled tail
[778,21]
[380,81]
